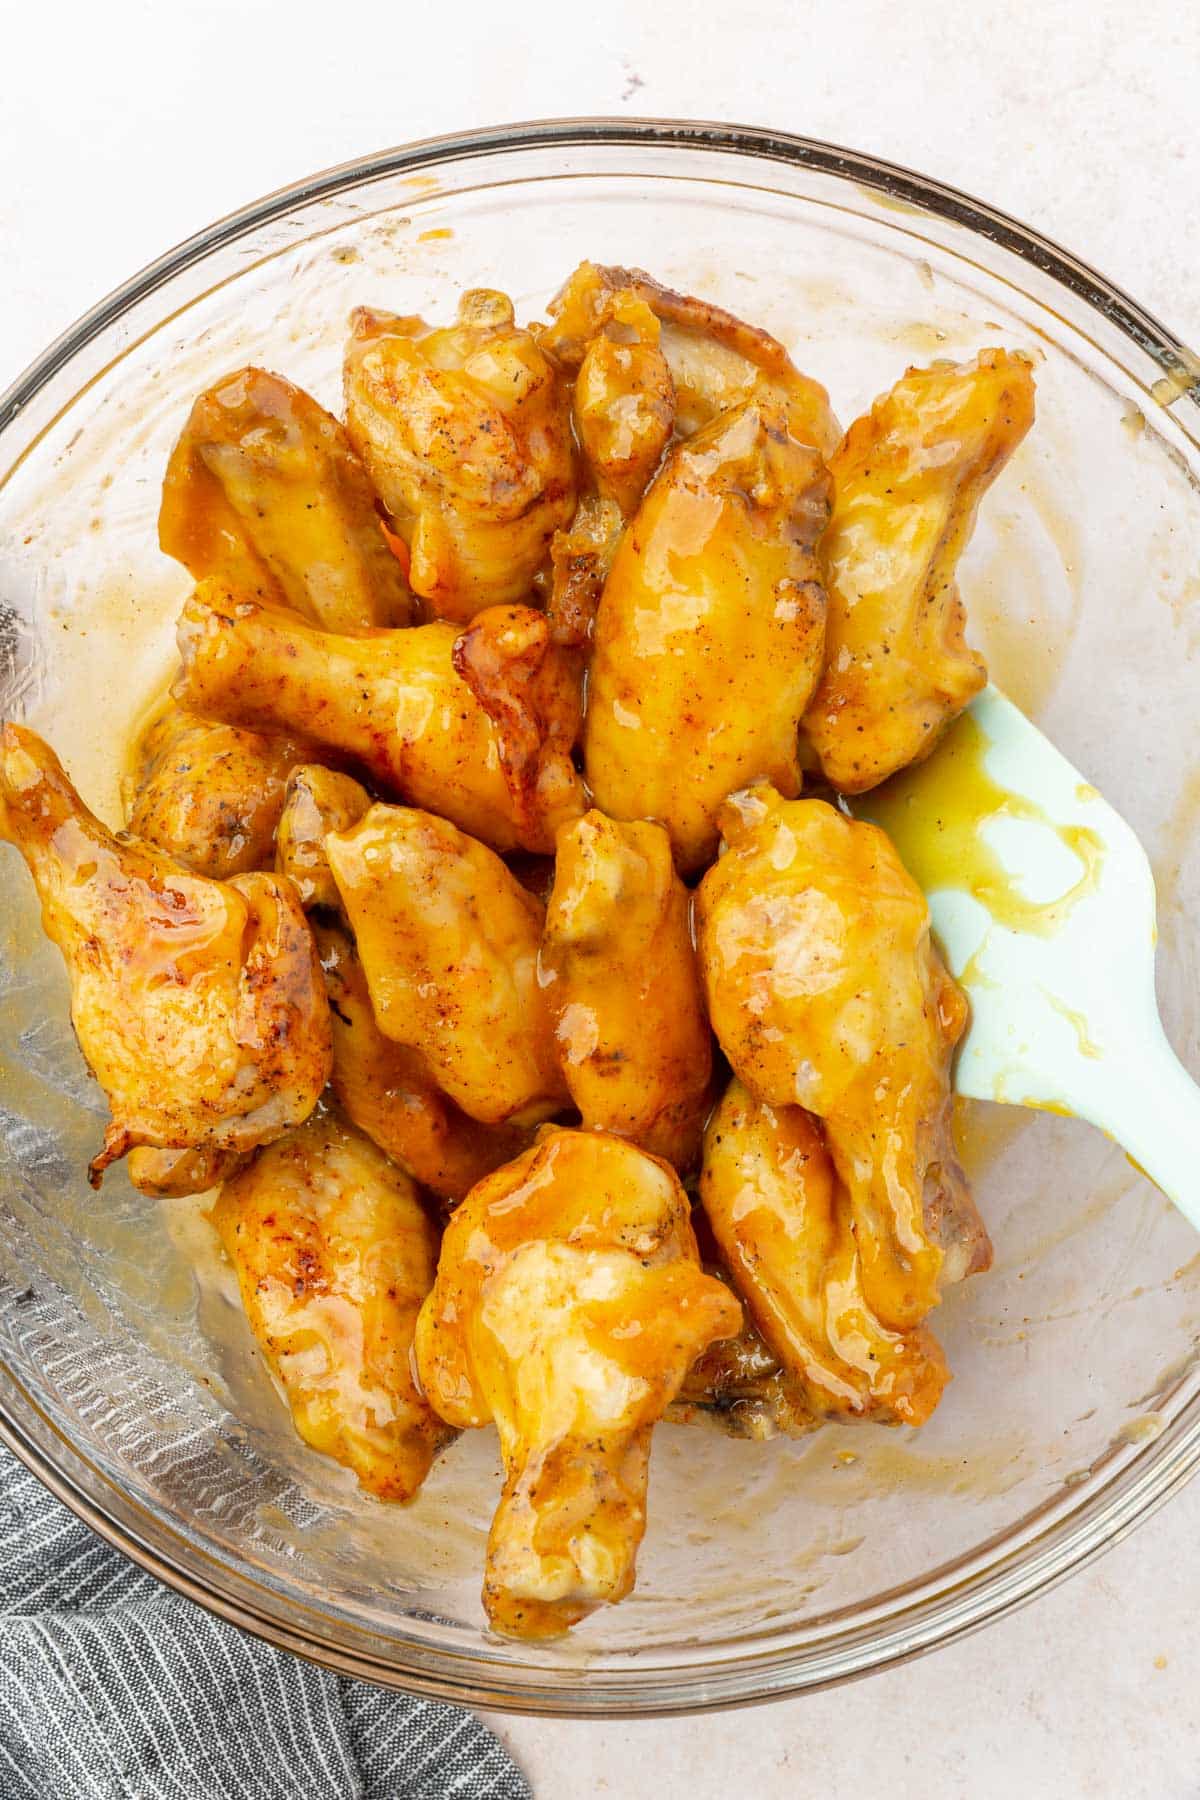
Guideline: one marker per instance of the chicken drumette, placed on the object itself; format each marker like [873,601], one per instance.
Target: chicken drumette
[568,1307]
[825,992]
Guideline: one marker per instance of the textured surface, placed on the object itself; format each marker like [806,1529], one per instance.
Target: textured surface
[1072,116]
[113,1689]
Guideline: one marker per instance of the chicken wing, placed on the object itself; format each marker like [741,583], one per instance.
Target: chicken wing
[209,795]
[908,479]
[198,1004]
[624,401]
[531,690]
[716,361]
[384,1088]
[392,700]
[711,630]
[448,940]
[619,972]
[580,560]
[466,432]
[166,1174]
[785,1228]
[316,801]
[264,492]
[739,1385]
[568,1307]
[825,992]
[334,1255]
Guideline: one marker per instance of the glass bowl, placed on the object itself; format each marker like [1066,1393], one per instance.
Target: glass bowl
[127,1378]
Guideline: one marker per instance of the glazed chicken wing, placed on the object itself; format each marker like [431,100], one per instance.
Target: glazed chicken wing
[531,690]
[392,700]
[784,1226]
[334,1255]
[825,992]
[198,1004]
[619,971]
[568,1307]
[209,795]
[711,630]
[466,432]
[316,801]
[448,940]
[580,560]
[264,492]
[908,479]
[384,1088]
[716,361]
[624,401]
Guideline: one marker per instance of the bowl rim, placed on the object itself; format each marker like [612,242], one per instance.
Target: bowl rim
[1047,1553]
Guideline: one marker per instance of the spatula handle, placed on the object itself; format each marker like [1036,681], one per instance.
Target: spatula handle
[1157,1122]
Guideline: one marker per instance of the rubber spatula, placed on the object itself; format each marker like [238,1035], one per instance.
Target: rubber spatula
[1043,902]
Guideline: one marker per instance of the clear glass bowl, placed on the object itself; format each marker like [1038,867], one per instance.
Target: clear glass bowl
[127,1378]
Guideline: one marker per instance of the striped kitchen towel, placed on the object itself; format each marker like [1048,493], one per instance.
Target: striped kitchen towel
[113,1688]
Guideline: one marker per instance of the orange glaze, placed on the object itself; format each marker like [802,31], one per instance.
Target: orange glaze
[264,492]
[785,1228]
[825,991]
[710,633]
[619,972]
[390,699]
[568,1307]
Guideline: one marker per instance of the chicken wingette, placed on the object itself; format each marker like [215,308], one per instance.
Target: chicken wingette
[908,479]
[199,1004]
[784,1226]
[466,432]
[568,1307]
[334,1256]
[825,992]
[391,700]
[716,361]
[384,1088]
[619,972]
[448,939]
[264,492]
[711,630]
[209,795]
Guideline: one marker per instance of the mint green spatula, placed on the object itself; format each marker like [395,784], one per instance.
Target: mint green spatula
[1043,901]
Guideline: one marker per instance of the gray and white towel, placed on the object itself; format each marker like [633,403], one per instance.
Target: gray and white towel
[113,1688]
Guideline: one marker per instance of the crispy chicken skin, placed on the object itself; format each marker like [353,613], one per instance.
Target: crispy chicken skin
[785,1229]
[334,1255]
[316,800]
[711,630]
[448,939]
[198,1004]
[209,795]
[531,690]
[392,700]
[384,1088]
[466,432]
[568,1307]
[908,479]
[624,401]
[716,361]
[264,492]
[825,991]
[619,972]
